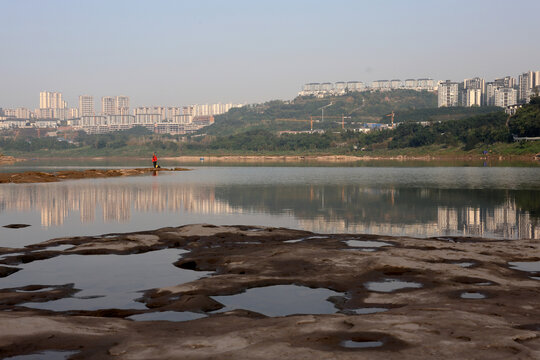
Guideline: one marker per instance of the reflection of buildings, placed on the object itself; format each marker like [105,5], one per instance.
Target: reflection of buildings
[319,208]
[57,201]
[503,221]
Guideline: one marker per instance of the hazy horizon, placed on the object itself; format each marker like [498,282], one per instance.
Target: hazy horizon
[179,53]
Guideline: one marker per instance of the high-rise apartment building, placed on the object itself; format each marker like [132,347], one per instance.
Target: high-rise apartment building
[505,82]
[472,97]
[122,105]
[527,83]
[115,105]
[474,83]
[108,105]
[51,100]
[86,105]
[448,94]
[490,93]
[505,97]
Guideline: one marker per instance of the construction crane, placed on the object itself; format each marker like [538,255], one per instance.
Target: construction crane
[392,118]
[322,109]
[343,117]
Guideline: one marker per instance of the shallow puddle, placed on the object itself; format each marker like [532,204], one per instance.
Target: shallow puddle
[60,247]
[105,281]
[44,355]
[390,285]
[293,241]
[44,289]
[167,316]
[465,264]
[281,300]
[472,295]
[367,243]
[528,266]
[368,310]
[306,238]
[351,344]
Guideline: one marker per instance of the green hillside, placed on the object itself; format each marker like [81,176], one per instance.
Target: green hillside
[357,108]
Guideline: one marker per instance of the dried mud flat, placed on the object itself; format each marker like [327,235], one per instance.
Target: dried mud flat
[440,318]
[41,177]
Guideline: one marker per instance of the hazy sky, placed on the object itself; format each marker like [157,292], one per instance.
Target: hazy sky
[183,52]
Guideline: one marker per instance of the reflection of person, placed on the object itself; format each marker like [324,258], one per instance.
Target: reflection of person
[154,160]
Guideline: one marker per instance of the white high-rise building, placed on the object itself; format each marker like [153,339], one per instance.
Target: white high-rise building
[505,97]
[122,105]
[51,100]
[506,82]
[115,105]
[474,83]
[473,97]
[448,94]
[86,105]
[108,105]
[490,93]
[527,83]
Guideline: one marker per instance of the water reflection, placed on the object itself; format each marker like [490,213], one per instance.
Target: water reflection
[393,210]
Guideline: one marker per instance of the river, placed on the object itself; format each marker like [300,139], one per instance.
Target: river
[420,201]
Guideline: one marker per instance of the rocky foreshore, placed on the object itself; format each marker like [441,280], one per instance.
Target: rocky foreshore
[396,298]
[4,159]
[41,176]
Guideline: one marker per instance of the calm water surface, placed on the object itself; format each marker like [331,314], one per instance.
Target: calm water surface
[499,202]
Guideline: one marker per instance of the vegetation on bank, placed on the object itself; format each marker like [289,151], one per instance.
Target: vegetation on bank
[493,132]
[355,109]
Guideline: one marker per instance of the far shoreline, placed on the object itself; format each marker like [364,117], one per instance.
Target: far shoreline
[533,159]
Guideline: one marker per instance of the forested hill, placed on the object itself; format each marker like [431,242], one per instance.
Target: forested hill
[295,114]
[357,108]
[526,122]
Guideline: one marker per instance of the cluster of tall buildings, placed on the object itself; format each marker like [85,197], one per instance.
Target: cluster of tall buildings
[502,92]
[115,114]
[342,87]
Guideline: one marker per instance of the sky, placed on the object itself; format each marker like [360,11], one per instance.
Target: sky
[175,53]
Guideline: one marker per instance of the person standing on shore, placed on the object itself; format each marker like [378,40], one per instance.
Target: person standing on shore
[154,160]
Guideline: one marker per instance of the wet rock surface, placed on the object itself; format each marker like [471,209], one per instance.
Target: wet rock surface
[42,177]
[433,320]
[16,226]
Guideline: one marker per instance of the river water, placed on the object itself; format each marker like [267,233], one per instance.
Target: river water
[491,202]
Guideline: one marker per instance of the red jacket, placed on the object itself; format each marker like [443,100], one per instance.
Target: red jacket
[154,158]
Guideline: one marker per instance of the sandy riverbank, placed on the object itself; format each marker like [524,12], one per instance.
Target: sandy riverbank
[467,301]
[40,177]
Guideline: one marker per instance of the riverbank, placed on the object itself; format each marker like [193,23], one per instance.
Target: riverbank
[7,160]
[342,158]
[395,298]
[42,177]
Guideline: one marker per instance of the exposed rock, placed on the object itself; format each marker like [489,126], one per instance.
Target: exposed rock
[40,177]
[431,320]
[16,226]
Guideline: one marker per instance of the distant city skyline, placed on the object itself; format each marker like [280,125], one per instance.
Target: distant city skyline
[172,52]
